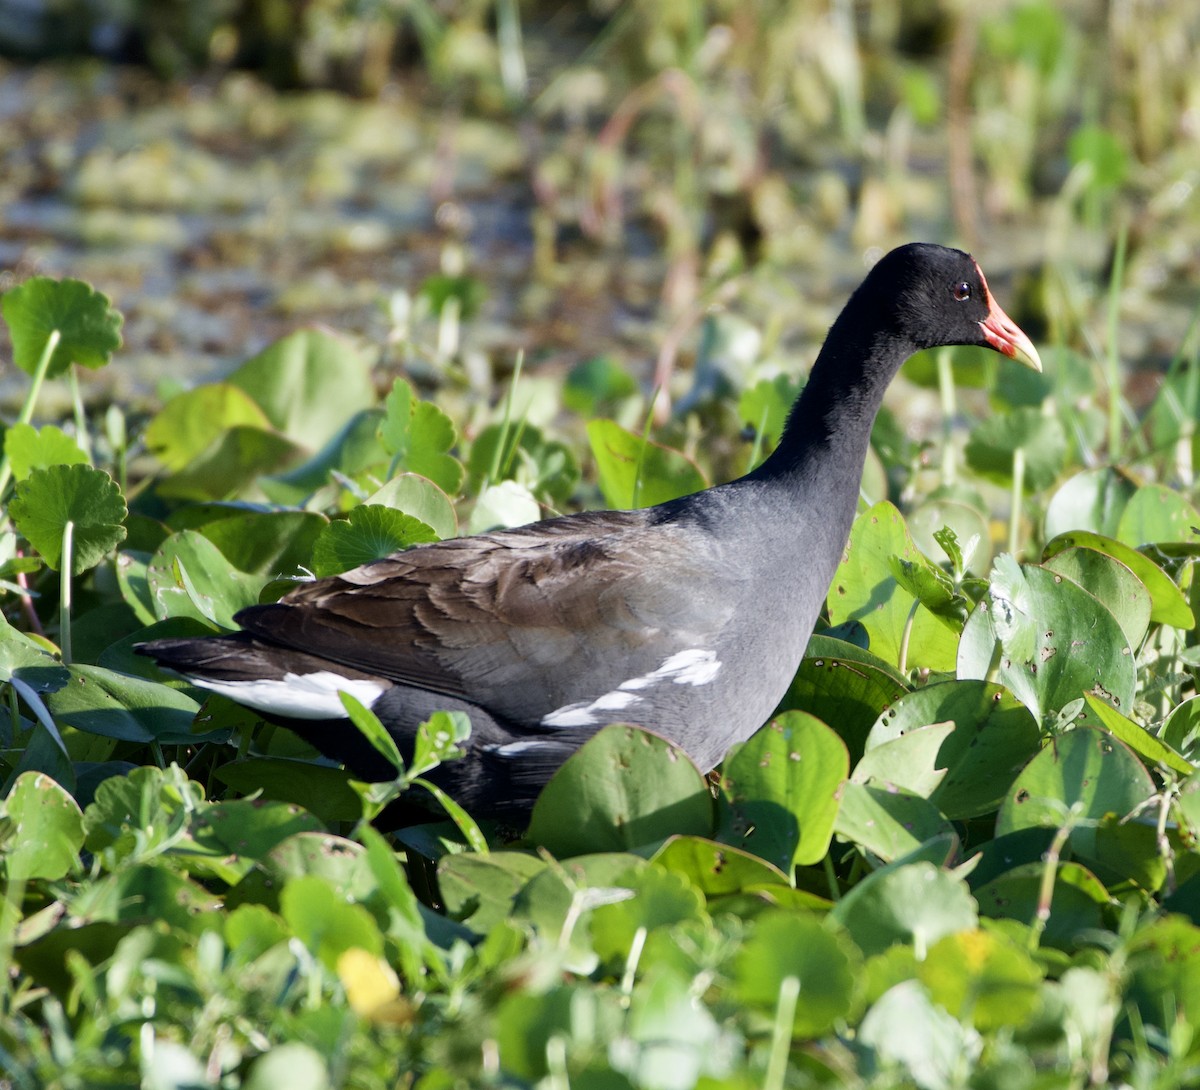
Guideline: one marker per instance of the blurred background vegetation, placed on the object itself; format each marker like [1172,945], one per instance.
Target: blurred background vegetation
[597,180]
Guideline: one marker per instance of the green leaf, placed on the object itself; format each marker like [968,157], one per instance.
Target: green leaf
[479,889]
[1102,153]
[41,829]
[309,384]
[624,788]
[765,407]
[637,473]
[843,684]
[982,978]
[369,532]
[995,441]
[782,788]
[89,326]
[994,736]
[1168,605]
[130,709]
[422,499]
[1091,501]
[864,589]
[293,1064]
[887,822]
[1156,513]
[1137,738]
[1075,908]
[1085,775]
[660,899]
[326,921]
[1114,583]
[29,448]
[189,577]
[503,505]
[323,791]
[546,467]
[717,869]
[88,498]
[783,945]
[191,422]
[419,435]
[912,903]
[597,384]
[1058,643]
[908,761]
[368,724]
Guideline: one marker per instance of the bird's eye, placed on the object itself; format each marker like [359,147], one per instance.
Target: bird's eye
[962,291]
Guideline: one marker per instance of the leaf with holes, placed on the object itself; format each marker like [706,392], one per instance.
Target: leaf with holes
[90,328]
[1077,645]
[87,498]
[41,829]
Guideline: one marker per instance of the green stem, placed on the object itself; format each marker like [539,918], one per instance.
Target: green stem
[1018,495]
[781,1033]
[81,427]
[949,402]
[64,592]
[1049,874]
[498,464]
[835,893]
[35,389]
[902,665]
[1114,354]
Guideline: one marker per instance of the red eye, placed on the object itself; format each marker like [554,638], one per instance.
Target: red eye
[962,291]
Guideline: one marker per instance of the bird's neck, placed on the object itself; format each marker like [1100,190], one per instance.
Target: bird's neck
[829,427]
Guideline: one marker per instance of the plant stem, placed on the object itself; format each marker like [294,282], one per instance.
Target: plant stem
[949,410]
[64,592]
[781,1033]
[35,389]
[641,462]
[1114,354]
[902,665]
[1018,494]
[81,427]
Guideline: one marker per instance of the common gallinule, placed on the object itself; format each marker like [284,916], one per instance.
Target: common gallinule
[689,618]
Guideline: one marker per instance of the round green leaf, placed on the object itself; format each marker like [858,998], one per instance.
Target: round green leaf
[887,822]
[322,917]
[191,422]
[717,869]
[1076,904]
[1168,605]
[1157,513]
[661,899]
[1082,776]
[994,736]
[292,1064]
[479,889]
[624,788]
[89,326]
[782,790]
[420,497]
[865,589]
[369,532]
[912,903]
[419,436]
[1058,643]
[88,498]
[41,829]
[1114,583]
[1090,501]
[995,441]
[798,946]
[845,686]
[982,978]
[502,505]
[967,523]
[189,577]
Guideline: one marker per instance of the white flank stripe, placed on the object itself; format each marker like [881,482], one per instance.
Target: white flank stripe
[297,696]
[695,666]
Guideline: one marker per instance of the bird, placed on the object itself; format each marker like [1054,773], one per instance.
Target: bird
[688,619]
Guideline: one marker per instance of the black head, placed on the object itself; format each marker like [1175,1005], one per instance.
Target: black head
[938,296]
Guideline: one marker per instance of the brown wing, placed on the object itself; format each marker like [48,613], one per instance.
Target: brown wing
[521,622]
